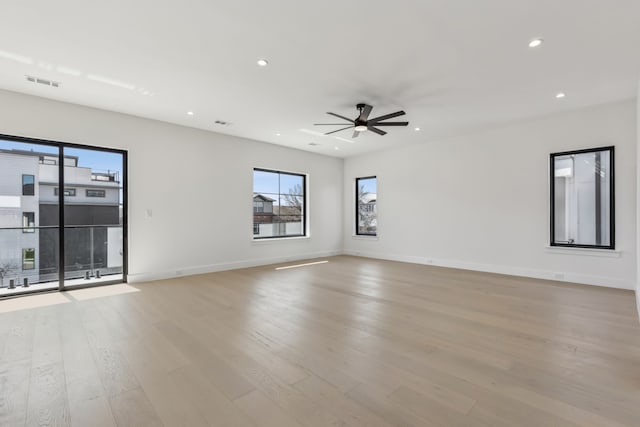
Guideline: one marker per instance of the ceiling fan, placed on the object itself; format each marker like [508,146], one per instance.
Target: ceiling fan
[362,123]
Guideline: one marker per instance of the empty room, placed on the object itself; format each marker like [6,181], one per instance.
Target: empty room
[191,233]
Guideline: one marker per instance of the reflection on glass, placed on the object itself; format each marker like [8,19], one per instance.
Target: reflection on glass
[582,198]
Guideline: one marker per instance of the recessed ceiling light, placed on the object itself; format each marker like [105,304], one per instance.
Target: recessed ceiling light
[416,129]
[360,128]
[263,62]
[535,42]
[336,148]
[278,134]
[560,95]
[190,113]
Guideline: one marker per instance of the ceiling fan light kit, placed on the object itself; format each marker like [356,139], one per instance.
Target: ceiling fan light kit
[362,123]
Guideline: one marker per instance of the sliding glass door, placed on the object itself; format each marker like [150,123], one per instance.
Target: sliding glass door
[93,216]
[44,184]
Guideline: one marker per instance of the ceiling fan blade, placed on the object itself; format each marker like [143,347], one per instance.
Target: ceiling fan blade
[378,131]
[334,131]
[329,124]
[365,112]
[340,117]
[392,124]
[355,134]
[387,116]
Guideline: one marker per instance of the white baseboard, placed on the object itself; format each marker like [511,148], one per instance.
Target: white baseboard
[586,279]
[233,265]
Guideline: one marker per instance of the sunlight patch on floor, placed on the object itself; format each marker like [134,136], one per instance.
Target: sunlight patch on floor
[101,291]
[32,301]
[301,265]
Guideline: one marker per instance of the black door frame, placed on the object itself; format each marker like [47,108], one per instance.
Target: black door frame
[125,220]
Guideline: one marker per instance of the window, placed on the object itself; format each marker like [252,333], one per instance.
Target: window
[67,192]
[28,222]
[28,259]
[279,200]
[582,198]
[28,185]
[366,212]
[96,193]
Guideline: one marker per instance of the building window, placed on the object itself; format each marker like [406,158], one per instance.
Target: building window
[28,259]
[279,199]
[28,185]
[67,192]
[582,198]
[96,193]
[28,222]
[366,211]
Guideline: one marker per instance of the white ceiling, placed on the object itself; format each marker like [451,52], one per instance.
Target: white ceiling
[453,66]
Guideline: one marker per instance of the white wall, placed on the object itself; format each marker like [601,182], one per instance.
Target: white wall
[197,184]
[481,201]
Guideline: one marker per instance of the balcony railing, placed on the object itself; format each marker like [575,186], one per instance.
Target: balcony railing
[105,176]
[92,252]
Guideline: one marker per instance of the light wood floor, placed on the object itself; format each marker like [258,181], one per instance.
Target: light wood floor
[353,342]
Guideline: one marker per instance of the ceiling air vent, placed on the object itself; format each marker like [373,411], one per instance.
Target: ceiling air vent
[222,123]
[42,81]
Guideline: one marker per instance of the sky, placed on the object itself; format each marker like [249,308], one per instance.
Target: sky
[268,183]
[370,185]
[99,161]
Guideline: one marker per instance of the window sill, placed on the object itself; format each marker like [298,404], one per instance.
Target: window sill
[277,239]
[363,237]
[563,250]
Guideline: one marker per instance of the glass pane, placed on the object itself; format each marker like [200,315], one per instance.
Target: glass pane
[266,182]
[28,185]
[367,198]
[291,184]
[28,221]
[93,230]
[582,199]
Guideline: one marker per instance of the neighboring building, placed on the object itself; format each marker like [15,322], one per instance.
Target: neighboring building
[262,212]
[19,211]
[368,218]
[29,199]
[270,220]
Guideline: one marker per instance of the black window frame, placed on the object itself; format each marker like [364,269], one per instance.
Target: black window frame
[28,228]
[357,218]
[612,211]
[94,190]
[68,192]
[24,252]
[304,204]
[26,186]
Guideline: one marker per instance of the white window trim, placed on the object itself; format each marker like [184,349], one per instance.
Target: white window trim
[596,252]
